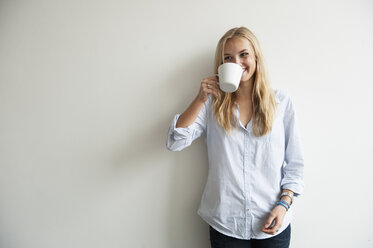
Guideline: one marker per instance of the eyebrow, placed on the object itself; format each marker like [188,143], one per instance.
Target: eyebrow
[244,50]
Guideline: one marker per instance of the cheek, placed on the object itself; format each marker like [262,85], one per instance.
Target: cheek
[250,73]
[250,63]
[252,68]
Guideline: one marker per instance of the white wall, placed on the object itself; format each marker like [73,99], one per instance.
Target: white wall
[88,89]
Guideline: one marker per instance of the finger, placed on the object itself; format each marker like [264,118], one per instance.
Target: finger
[215,92]
[206,87]
[273,230]
[213,86]
[205,84]
[209,84]
[209,80]
[269,231]
[212,78]
[276,227]
[211,91]
[269,221]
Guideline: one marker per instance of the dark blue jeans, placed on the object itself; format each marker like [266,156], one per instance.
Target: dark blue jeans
[219,240]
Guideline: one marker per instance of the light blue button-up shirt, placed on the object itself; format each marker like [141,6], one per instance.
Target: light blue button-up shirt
[246,173]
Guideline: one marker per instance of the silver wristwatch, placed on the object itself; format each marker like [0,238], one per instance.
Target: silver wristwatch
[288,194]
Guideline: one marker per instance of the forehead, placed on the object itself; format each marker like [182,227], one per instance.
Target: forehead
[237,44]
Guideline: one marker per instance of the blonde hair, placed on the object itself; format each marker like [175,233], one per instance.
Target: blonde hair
[263,98]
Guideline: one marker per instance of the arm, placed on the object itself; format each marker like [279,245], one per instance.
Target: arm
[190,114]
[190,125]
[292,182]
[277,215]
[293,170]
[208,86]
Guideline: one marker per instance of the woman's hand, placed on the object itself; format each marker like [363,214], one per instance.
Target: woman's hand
[276,217]
[209,86]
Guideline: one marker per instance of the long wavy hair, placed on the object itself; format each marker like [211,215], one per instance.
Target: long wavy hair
[263,97]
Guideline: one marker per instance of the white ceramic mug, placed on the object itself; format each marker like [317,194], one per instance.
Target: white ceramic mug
[229,76]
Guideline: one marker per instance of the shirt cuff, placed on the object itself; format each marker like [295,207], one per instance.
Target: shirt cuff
[179,133]
[296,188]
[179,137]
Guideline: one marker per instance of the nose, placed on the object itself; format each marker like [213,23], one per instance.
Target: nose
[237,60]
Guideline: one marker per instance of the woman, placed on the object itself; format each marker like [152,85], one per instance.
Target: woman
[254,150]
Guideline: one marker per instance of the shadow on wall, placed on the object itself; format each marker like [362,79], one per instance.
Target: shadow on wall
[146,145]
[190,166]
[169,95]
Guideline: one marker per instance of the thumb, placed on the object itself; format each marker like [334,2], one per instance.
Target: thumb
[269,221]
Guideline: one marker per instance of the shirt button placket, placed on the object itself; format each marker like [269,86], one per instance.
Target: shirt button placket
[247,185]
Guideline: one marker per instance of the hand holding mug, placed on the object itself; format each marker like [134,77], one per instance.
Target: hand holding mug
[209,86]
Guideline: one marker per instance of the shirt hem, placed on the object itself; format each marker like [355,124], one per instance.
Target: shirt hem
[210,222]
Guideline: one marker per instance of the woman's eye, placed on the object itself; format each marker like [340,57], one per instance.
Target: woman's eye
[244,54]
[228,58]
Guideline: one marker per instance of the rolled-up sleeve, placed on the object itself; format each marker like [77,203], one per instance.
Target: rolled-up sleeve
[180,138]
[294,167]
